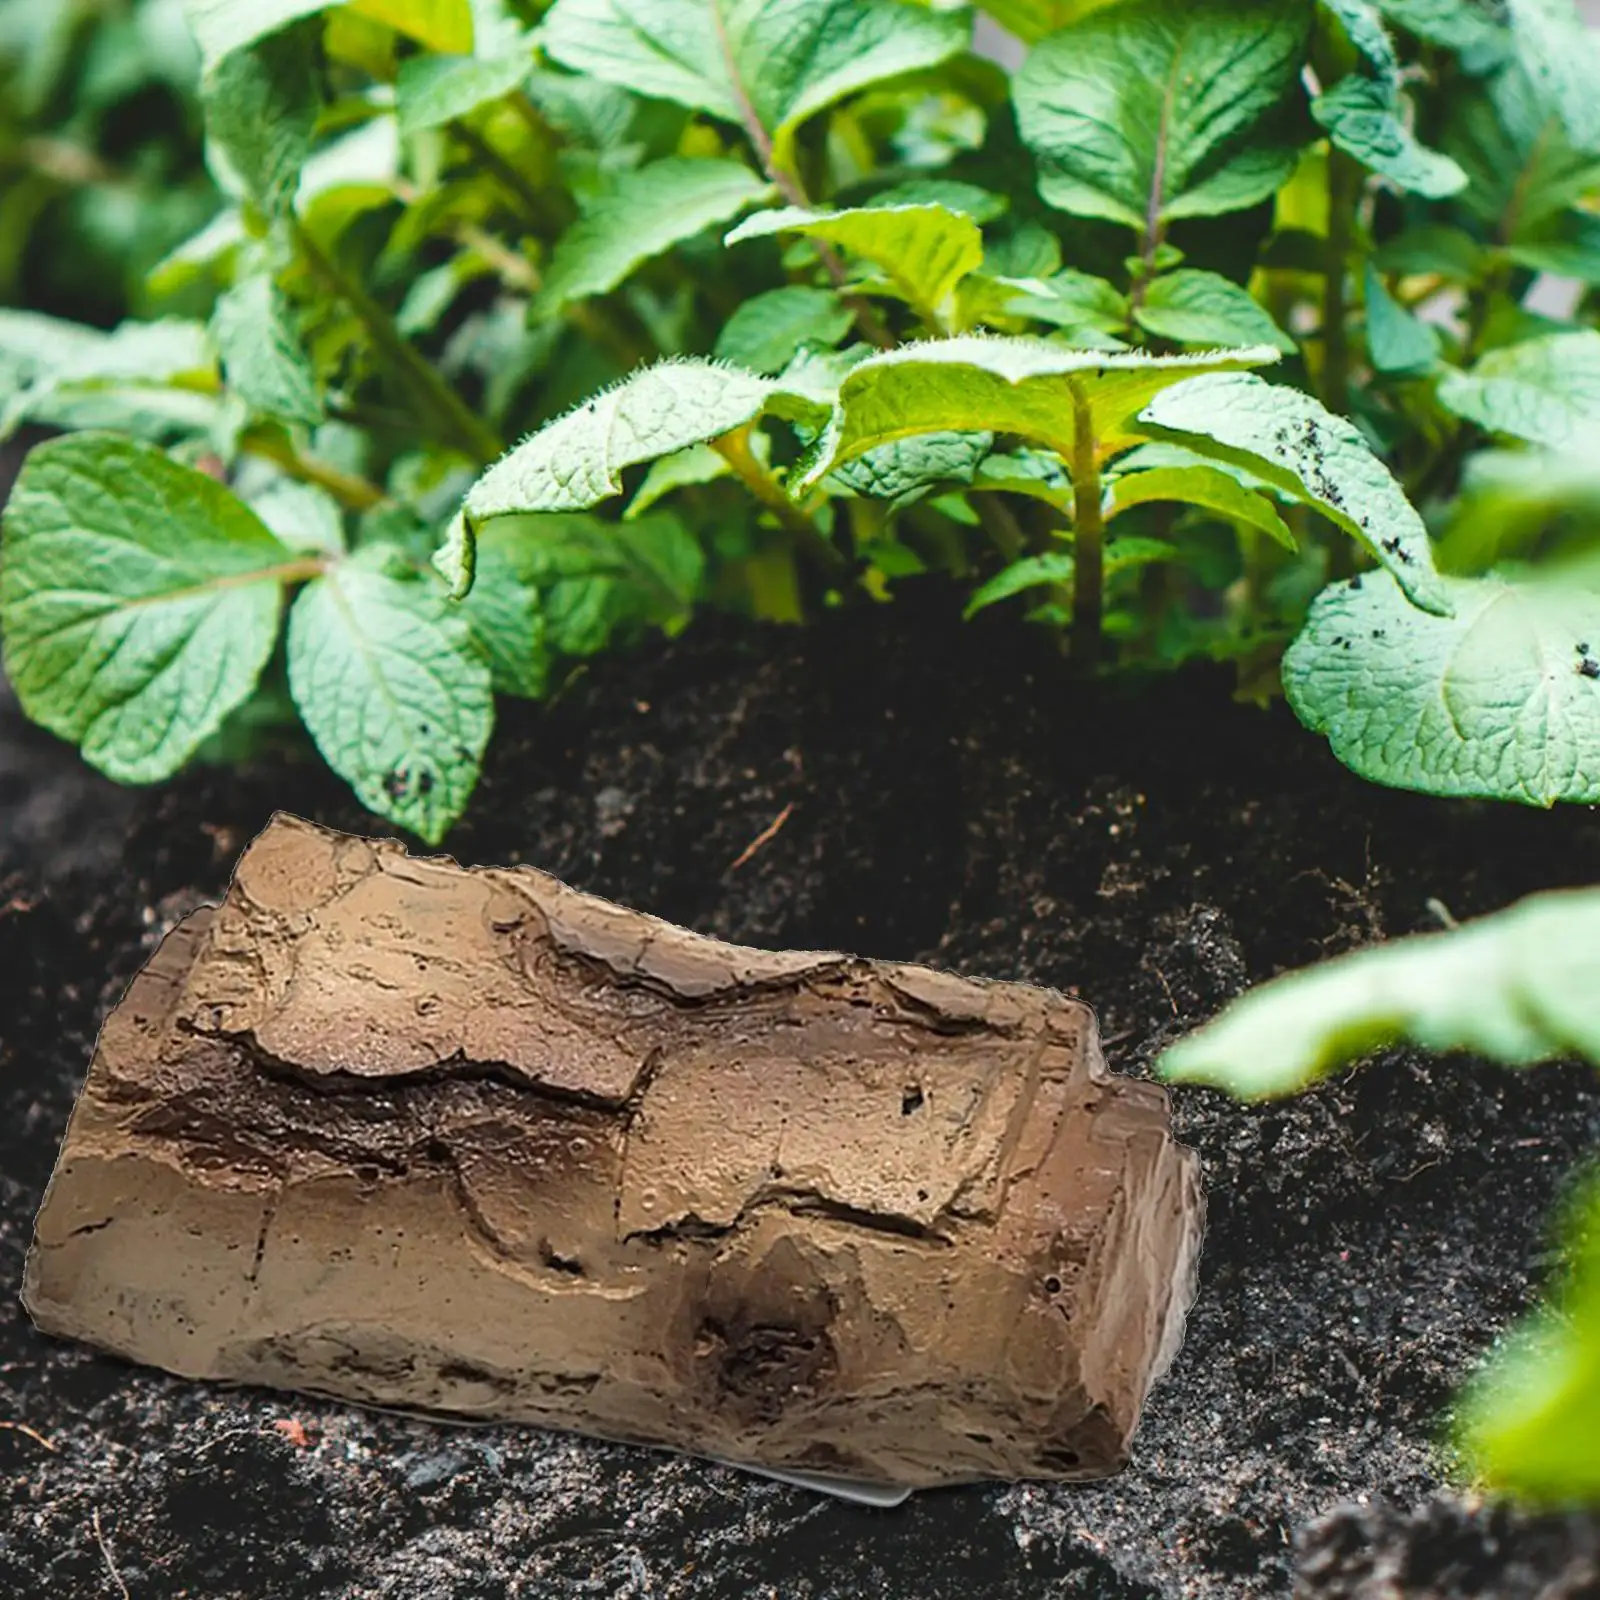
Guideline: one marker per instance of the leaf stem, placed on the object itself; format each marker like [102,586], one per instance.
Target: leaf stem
[868,318]
[355,494]
[734,448]
[1344,195]
[1089,537]
[461,428]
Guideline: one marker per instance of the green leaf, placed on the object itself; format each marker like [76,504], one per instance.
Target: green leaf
[649,212]
[1519,987]
[592,576]
[303,516]
[1470,27]
[1522,165]
[261,105]
[505,612]
[138,599]
[767,331]
[221,27]
[1306,452]
[763,64]
[1528,1421]
[1499,700]
[1074,301]
[1567,245]
[1204,308]
[1053,566]
[1029,387]
[394,692]
[1205,486]
[576,461]
[1363,25]
[1397,341]
[1031,20]
[262,357]
[1557,50]
[982,205]
[1546,391]
[1139,112]
[432,90]
[924,250]
[908,469]
[1362,120]
[698,464]
[444,25]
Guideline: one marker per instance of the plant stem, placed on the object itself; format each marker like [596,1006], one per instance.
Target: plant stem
[868,318]
[734,448]
[1089,537]
[448,410]
[1344,194]
[355,494]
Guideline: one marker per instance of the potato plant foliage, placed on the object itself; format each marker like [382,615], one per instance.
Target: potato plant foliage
[495,331]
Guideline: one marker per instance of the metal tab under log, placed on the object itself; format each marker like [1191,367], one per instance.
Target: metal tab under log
[471,1142]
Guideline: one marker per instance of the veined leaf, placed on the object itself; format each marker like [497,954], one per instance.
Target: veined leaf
[766,332]
[134,378]
[765,65]
[1528,1421]
[262,357]
[1305,451]
[1499,700]
[907,469]
[1362,120]
[139,601]
[222,26]
[1520,987]
[434,89]
[1558,51]
[1146,111]
[576,461]
[1090,309]
[1205,486]
[1030,387]
[1031,572]
[1523,166]
[681,470]
[506,616]
[1473,28]
[649,212]
[1204,308]
[303,516]
[393,691]
[1546,391]
[443,25]
[261,105]
[1397,340]
[924,250]
[592,576]
[1363,25]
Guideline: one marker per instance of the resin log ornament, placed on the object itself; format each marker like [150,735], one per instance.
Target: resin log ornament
[472,1143]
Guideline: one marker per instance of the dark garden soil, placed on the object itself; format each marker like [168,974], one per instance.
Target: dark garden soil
[947,794]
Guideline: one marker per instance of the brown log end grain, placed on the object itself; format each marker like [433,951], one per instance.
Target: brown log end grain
[472,1142]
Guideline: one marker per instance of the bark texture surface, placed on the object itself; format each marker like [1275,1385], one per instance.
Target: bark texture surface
[473,1142]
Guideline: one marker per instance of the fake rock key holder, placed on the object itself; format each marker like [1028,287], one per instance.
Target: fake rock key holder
[472,1143]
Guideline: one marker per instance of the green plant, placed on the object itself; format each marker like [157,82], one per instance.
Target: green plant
[781,327]
[1519,987]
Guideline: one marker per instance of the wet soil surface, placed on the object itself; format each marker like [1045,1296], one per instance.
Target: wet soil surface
[946,794]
